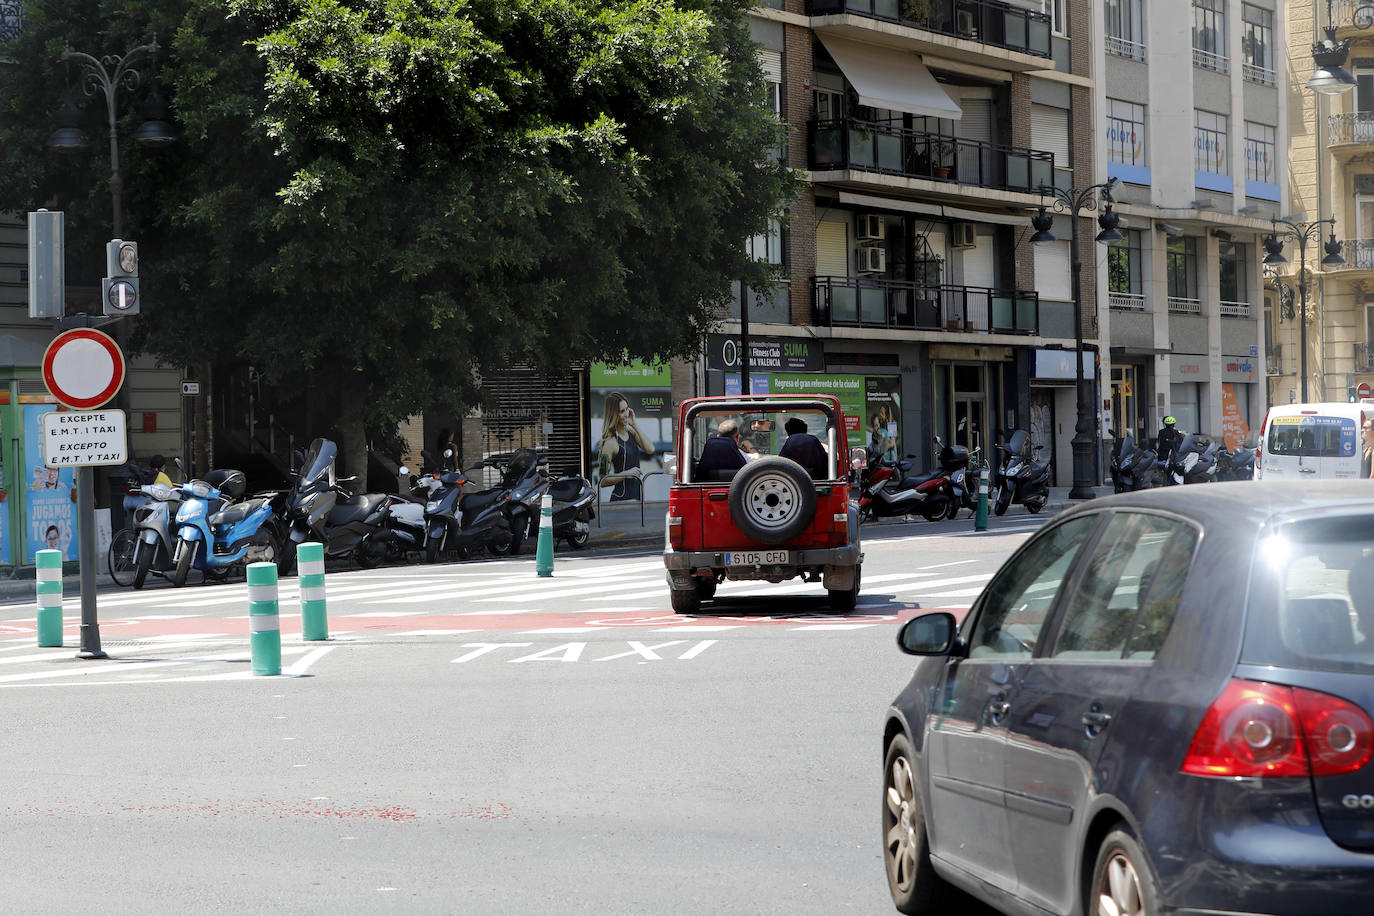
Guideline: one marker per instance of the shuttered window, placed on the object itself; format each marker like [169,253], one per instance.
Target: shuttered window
[832,249]
[1052,271]
[976,124]
[771,63]
[1050,133]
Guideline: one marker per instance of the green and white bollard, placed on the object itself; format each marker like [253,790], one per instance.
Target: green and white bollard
[980,515]
[314,618]
[543,553]
[264,624]
[49,578]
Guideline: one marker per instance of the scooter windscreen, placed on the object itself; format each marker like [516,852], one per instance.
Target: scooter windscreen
[318,459]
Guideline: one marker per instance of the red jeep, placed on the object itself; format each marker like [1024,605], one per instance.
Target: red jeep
[770,519]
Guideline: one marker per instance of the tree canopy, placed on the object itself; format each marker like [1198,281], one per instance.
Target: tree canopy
[388,198]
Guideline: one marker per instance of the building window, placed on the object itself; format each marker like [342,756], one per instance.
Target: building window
[1259,152]
[1056,10]
[1125,34]
[1125,132]
[11,19]
[1123,264]
[1257,43]
[1209,34]
[1234,264]
[1209,142]
[767,245]
[1182,268]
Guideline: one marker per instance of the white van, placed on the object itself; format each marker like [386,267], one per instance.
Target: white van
[1311,441]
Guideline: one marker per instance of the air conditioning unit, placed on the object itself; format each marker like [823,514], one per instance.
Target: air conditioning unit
[871,259]
[870,228]
[965,24]
[963,235]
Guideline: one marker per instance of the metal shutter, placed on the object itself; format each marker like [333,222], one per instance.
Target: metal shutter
[976,124]
[520,402]
[832,249]
[1050,133]
[1052,271]
[771,62]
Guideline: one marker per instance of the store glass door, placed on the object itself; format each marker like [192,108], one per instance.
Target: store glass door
[970,406]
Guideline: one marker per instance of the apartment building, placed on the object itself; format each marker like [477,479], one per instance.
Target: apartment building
[1331,154]
[925,129]
[1193,116]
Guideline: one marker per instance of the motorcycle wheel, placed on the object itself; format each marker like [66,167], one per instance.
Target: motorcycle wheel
[1035,504]
[185,556]
[499,546]
[1002,500]
[431,550]
[580,536]
[934,509]
[123,557]
[143,563]
[286,565]
[365,556]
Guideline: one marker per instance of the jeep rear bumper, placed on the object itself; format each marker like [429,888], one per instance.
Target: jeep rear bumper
[684,566]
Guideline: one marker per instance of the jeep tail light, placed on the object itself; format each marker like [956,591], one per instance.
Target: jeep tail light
[1260,729]
[675,530]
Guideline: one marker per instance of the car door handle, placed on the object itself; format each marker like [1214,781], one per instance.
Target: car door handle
[1095,721]
[997,709]
[1307,470]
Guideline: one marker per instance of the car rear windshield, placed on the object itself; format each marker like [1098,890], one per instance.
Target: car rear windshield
[1312,599]
[1313,436]
[763,428]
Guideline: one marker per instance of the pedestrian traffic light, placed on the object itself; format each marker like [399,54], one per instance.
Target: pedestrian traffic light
[120,287]
[1351,394]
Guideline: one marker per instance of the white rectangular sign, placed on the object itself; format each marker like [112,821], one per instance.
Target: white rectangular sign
[84,438]
[190,389]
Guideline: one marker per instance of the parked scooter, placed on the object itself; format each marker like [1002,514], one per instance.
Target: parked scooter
[1133,467]
[573,497]
[1236,465]
[965,481]
[884,494]
[527,478]
[1021,480]
[461,523]
[156,538]
[347,524]
[217,529]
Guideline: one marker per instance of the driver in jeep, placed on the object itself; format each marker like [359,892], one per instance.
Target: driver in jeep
[804,448]
[721,453]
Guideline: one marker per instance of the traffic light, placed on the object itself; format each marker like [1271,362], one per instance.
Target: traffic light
[120,287]
[1351,394]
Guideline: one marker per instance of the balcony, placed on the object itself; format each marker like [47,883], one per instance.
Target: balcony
[1272,365]
[1208,60]
[1126,302]
[1179,305]
[1124,47]
[904,305]
[984,21]
[868,146]
[1364,357]
[1347,133]
[1253,73]
[1358,254]
[1230,309]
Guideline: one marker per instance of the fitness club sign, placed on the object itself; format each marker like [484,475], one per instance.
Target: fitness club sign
[766,354]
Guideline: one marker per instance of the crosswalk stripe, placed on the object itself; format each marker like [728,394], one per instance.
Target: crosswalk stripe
[834,626]
[944,583]
[961,593]
[562,591]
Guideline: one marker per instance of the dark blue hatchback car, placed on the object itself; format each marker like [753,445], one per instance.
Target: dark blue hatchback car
[1160,704]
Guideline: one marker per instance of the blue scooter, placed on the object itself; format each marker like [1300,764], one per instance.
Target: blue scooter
[217,529]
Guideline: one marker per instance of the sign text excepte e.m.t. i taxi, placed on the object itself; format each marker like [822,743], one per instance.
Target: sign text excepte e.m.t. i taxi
[84,438]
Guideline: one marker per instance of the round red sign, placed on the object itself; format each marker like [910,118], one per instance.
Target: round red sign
[83,368]
[1363,391]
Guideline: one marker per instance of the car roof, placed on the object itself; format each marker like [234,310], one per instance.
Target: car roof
[1250,503]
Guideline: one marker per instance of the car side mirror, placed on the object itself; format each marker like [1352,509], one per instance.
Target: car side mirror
[928,634]
[670,466]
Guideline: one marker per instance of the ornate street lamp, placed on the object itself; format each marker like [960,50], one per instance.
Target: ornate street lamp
[1329,55]
[1071,201]
[1302,233]
[107,76]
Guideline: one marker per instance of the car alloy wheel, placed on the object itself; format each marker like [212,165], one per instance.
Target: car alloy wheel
[1119,893]
[911,878]
[1123,884]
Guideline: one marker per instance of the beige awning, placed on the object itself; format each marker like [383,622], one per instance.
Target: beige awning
[888,78]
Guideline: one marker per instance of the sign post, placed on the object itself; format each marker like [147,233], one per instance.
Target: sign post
[83,369]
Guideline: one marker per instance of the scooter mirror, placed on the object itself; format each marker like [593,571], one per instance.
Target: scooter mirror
[448,453]
[403,470]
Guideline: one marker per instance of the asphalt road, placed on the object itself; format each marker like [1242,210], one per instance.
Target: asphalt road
[472,739]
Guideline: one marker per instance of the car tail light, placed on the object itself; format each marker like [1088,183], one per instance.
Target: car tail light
[1260,729]
[675,530]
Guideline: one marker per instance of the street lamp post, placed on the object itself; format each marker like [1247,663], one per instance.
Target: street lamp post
[1302,233]
[106,76]
[1072,201]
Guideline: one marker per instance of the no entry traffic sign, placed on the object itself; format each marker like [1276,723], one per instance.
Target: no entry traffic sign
[83,368]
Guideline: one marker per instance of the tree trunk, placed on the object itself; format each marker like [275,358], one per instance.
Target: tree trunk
[352,438]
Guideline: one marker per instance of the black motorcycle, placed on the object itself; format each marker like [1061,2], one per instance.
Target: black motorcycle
[1021,480]
[319,508]
[1133,467]
[527,478]
[458,523]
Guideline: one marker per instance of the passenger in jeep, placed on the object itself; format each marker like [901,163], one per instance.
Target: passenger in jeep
[721,453]
[804,448]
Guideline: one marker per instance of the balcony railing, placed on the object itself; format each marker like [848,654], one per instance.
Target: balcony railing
[880,303]
[1208,60]
[1230,309]
[1179,305]
[1352,127]
[1254,73]
[1126,302]
[871,146]
[1358,254]
[988,22]
[1364,357]
[1272,366]
[1124,47]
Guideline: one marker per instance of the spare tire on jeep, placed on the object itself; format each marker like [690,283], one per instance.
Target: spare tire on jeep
[772,500]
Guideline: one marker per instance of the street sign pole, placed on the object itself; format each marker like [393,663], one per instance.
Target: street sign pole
[85,536]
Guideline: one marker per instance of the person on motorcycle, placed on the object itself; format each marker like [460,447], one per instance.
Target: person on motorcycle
[157,468]
[1170,438]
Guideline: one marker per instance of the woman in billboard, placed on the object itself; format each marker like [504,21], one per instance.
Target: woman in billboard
[623,445]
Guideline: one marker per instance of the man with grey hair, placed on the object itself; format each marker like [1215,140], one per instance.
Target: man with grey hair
[721,453]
